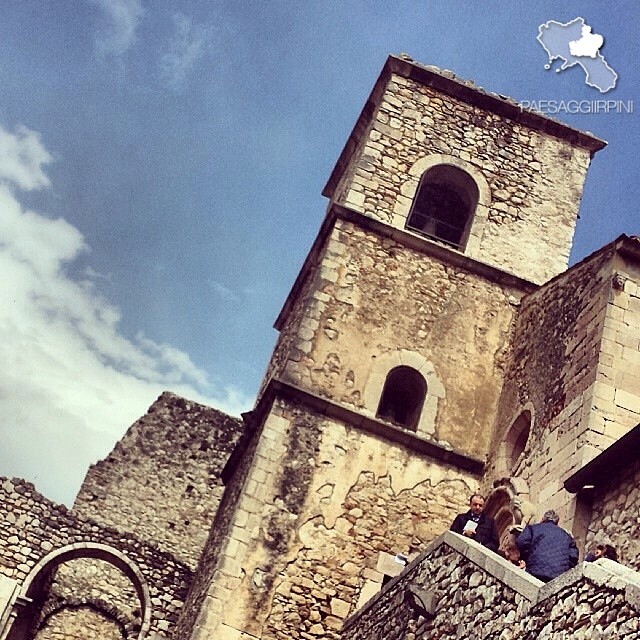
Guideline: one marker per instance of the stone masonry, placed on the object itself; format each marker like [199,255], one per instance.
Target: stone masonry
[574,364]
[456,588]
[372,297]
[521,376]
[418,116]
[304,541]
[616,517]
[33,530]
[172,456]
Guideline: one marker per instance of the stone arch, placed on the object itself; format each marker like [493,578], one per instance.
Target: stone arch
[380,368]
[55,620]
[508,504]
[38,577]
[498,506]
[410,187]
[402,398]
[517,438]
[510,450]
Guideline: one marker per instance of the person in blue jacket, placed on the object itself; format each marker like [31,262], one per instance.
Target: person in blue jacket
[547,549]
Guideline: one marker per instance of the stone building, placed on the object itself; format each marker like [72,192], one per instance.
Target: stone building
[433,344]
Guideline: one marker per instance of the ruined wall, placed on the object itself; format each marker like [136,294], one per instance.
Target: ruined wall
[81,623]
[32,527]
[535,180]
[616,516]
[372,297]
[92,593]
[162,480]
[479,595]
[320,502]
[215,575]
[553,372]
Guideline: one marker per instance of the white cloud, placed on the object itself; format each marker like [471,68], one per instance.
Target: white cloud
[70,382]
[223,292]
[122,18]
[188,44]
[22,159]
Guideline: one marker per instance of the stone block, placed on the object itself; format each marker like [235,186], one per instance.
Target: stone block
[615,430]
[604,391]
[229,633]
[369,589]
[340,608]
[388,565]
[612,348]
[627,400]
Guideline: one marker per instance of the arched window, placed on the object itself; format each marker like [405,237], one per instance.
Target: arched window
[444,205]
[516,439]
[402,397]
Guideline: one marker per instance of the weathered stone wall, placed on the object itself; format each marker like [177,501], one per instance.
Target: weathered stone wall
[617,406]
[616,516]
[320,502]
[162,480]
[80,623]
[553,372]
[372,297]
[214,580]
[477,594]
[534,180]
[32,527]
[90,589]
[574,365]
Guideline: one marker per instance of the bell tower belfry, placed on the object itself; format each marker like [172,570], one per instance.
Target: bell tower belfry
[439,157]
[373,423]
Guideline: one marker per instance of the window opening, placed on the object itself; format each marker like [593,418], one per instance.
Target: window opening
[517,439]
[444,205]
[402,397]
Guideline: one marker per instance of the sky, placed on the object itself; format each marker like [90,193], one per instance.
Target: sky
[161,168]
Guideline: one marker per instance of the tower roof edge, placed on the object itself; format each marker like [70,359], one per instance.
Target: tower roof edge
[448,83]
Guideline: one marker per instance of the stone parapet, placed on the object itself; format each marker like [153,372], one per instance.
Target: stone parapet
[457,588]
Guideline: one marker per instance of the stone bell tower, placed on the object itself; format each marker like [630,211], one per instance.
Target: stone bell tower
[375,417]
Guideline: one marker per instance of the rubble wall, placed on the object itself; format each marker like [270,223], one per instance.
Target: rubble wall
[574,365]
[553,372]
[616,516]
[171,457]
[371,299]
[456,588]
[32,528]
[81,623]
[320,502]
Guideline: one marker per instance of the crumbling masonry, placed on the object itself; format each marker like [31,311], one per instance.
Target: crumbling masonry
[434,344]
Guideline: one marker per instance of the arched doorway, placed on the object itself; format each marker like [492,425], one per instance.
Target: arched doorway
[28,604]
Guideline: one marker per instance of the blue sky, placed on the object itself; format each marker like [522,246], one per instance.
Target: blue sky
[160,174]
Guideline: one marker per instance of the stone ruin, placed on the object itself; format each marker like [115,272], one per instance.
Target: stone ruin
[433,345]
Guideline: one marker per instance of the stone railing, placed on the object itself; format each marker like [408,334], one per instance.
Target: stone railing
[457,588]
